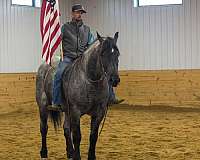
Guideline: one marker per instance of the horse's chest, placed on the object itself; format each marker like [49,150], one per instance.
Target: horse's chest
[88,94]
[97,91]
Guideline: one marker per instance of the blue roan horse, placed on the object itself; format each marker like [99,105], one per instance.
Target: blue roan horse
[85,91]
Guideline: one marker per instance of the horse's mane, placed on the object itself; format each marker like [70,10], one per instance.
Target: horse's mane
[92,46]
[90,50]
[96,43]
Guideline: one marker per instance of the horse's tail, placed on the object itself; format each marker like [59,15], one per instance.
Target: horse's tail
[41,96]
[56,118]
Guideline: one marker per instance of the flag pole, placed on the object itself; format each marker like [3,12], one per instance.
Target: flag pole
[61,51]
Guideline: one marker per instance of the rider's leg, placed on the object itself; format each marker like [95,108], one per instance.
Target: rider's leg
[57,96]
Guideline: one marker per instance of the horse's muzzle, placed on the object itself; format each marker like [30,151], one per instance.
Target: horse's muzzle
[115,81]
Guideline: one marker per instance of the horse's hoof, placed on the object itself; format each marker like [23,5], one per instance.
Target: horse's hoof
[44,158]
[70,159]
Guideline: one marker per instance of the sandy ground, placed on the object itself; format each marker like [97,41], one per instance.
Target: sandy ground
[130,133]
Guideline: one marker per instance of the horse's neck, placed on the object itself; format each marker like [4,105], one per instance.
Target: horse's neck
[93,64]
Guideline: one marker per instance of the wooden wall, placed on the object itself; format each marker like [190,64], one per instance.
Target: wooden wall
[16,90]
[172,87]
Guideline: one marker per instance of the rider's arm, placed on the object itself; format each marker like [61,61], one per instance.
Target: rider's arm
[90,38]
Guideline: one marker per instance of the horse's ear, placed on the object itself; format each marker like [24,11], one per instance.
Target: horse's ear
[99,37]
[116,36]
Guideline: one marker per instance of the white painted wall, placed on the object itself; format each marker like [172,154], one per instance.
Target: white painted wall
[19,38]
[151,38]
[20,41]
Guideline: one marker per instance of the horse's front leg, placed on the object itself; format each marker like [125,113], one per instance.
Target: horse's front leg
[76,134]
[68,138]
[95,122]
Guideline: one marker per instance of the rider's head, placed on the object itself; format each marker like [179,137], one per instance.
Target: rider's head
[77,11]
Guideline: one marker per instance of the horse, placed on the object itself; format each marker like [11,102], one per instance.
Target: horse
[85,90]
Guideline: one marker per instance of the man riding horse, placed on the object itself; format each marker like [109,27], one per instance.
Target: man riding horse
[76,37]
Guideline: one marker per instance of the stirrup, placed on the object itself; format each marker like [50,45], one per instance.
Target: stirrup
[54,107]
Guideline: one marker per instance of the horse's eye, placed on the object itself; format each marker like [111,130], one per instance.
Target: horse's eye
[112,50]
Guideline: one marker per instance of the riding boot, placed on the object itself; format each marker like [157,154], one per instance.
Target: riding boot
[115,100]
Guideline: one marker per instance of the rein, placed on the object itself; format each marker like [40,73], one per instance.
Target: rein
[104,75]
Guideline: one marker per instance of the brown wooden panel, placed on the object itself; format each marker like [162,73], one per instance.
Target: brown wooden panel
[16,89]
[171,87]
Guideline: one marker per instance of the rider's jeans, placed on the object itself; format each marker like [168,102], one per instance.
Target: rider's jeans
[57,94]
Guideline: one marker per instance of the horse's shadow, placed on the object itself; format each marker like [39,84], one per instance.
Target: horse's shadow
[157,108]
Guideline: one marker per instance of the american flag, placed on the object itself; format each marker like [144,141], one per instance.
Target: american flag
[50,28]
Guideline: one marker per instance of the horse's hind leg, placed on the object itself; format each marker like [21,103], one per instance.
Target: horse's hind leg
[43,131]
[67,134]
[95,122]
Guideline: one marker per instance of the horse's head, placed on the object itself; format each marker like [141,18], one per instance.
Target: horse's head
[110,57]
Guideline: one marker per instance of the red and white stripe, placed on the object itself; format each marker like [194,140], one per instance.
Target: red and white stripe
[50,29]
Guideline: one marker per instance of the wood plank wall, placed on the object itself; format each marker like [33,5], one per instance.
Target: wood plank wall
[16,90]
[172,87]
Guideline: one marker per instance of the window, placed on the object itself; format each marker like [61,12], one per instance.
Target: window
[34,3]
[37,3]
[156,2]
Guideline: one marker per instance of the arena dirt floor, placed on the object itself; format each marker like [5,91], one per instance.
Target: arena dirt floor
[129,133]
